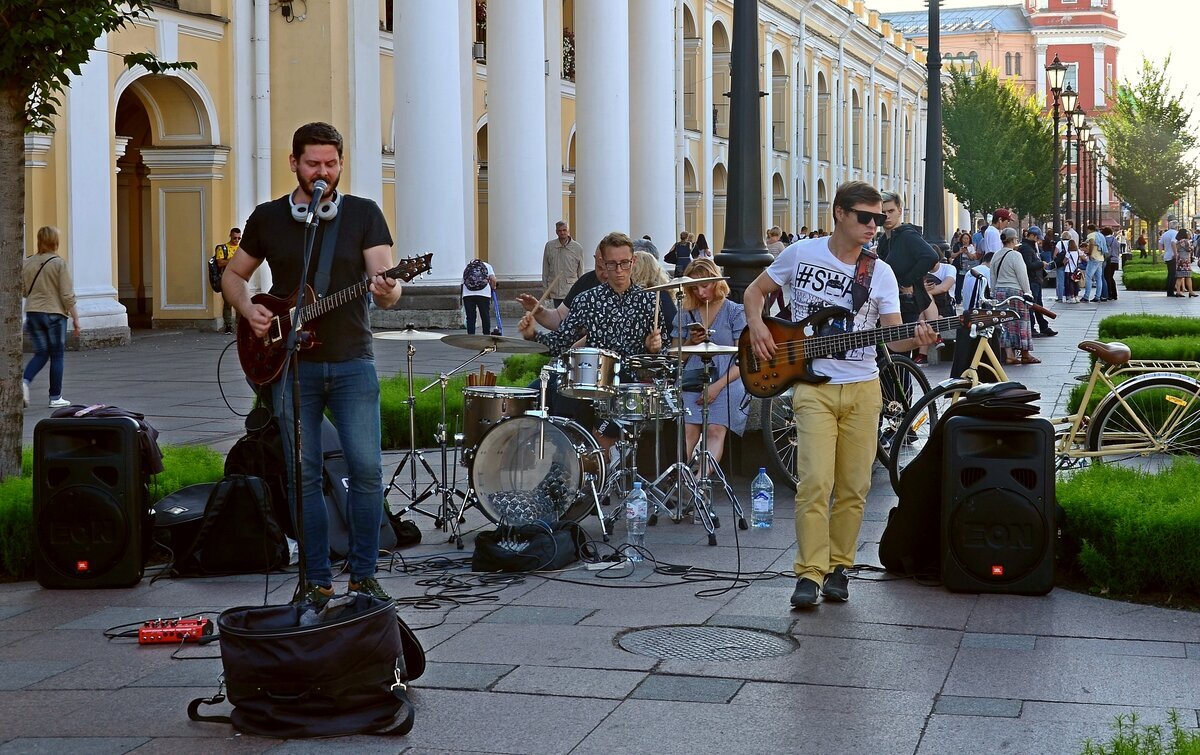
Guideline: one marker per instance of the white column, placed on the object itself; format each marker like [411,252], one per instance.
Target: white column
[797,92]
[602,118]
[262,189]
[704,170]
[91,169]
[1098,73]
[364,148]
[517,222]
[680,133]
[1039,72]
[466,102]
[814,130]
[767,128]
[651,108]
[553,21]
[430,194]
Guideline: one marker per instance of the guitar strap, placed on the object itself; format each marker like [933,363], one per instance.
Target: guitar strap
[325,263]
[860,288]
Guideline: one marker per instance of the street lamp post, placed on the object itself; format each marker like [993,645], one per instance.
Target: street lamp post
[1081,135]
[934,221]
[1055,73]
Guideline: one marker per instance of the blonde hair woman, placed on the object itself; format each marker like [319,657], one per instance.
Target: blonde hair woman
[648,271]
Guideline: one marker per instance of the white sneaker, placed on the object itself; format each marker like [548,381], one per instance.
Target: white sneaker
[24,393]
[58,403]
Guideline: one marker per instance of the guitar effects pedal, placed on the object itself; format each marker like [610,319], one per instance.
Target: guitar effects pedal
[174,631]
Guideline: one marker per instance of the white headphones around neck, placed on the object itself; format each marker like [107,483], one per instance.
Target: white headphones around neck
[327,210]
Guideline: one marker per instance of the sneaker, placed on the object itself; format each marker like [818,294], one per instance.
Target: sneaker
[940,344]
[806,593]
[1048,332]
[58,403]
[228,330]
[370,586]
[837,585]
[24,393]
[921,359]
[314,597]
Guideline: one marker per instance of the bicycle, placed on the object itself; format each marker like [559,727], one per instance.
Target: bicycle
[901,381]
[1147,410]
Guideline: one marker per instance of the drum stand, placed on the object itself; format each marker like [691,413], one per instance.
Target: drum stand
[708,462]
[412,457]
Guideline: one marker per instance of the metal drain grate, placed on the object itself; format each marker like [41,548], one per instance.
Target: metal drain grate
[705,643]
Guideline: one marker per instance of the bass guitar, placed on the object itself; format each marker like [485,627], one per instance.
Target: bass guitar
[822,334]
[263,358]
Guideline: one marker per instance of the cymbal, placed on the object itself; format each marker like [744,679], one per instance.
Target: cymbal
[682,281]
[408,334]
[503,344]
[709,348]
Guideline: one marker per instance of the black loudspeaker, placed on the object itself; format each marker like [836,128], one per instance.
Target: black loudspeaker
[998,506]
[90,502]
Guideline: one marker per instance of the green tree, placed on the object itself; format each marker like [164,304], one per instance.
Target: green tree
[42,42]
[999,145]
[1148,137]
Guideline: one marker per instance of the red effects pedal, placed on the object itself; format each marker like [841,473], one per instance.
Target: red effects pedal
[173,631]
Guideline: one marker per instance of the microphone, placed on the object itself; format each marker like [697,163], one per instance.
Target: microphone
[977,274]
[319,189]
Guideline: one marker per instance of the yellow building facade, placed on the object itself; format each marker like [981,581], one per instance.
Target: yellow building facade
[469,126]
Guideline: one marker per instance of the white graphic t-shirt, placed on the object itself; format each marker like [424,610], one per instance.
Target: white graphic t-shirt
[817,280]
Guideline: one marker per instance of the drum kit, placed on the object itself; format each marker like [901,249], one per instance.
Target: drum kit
[524,464]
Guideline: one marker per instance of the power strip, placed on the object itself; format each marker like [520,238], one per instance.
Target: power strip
[173,631]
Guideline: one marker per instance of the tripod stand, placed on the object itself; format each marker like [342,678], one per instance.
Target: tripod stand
[413,457]
[706,461]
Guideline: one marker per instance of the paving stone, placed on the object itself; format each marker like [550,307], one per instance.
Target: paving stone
[945,734]
[537,615]
[129,615]
[240,744]
[1082,646]
[576,682]
[843,699]
[1000,641]
[1193,650]
[18,674]
[1038,710]
[461,675]
[7,612]
[514,644]
[687,689]
[949,705]
[777,624]
[1067,614]
[353,745]
[827,625]
[196,672]
[633,607]
[74,745]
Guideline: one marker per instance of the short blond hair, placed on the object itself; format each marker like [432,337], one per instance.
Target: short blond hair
[646,270]
[47,239]
[702,268]
[775,232]
[612,241]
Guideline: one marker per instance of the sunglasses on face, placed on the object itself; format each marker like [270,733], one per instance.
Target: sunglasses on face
[623,264]
[866,217]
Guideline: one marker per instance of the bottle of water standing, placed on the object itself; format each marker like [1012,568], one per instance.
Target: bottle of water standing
[762,500]
[636,513]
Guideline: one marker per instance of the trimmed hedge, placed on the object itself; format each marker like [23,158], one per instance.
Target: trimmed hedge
[1119,327]
[1151,279]
[1135,532]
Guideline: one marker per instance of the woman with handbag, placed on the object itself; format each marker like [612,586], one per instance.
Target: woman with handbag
[1185,251]
[1010,277]
[708,315]
[50,298]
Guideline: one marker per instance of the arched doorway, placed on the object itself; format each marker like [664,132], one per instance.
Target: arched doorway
[779,202]
[691,198]
[721,82]
[720,188]
[481,191]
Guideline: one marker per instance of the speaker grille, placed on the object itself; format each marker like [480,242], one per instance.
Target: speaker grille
[1025,477]
[969,476]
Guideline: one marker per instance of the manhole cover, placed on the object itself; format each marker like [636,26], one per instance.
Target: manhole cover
[705,643]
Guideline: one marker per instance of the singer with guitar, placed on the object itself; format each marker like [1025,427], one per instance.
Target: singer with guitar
[337,368]
[837,401]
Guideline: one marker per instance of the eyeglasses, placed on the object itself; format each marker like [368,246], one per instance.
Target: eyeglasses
[623,264]
[866,218]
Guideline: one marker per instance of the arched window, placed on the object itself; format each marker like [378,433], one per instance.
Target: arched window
[1008,64]
[1017,63]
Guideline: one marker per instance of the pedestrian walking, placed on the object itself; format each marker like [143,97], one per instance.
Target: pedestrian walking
[49,300]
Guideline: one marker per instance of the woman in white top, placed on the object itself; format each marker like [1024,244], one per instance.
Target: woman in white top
[1010,277]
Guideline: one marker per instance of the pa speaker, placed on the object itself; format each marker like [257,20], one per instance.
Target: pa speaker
[998,506]
[90,503]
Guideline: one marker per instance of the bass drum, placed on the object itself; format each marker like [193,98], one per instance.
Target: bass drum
[528,468]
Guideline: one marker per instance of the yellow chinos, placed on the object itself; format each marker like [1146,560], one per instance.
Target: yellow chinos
[837,431]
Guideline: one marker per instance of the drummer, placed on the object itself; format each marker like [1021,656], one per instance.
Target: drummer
[708,315]
[552,318]
[618,316]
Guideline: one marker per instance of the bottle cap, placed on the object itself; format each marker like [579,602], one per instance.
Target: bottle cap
[762,469]
[637,486]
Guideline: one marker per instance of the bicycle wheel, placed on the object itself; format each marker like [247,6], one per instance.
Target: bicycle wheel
[779,436]
[1167,406]
[902,383]
[912,433]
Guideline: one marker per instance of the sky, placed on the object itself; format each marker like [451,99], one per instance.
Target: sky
[1152,29]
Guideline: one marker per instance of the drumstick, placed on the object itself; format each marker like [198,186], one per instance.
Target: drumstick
[549,288]
[657,305]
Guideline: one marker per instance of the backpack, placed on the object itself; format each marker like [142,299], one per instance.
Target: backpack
[1060,258]
[239,533]
[475,276]
[214,275]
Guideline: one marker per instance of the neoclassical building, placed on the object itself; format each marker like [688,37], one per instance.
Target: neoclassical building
[475,126]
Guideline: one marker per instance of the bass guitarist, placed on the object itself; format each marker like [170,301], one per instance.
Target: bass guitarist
[337,370]
[824,272]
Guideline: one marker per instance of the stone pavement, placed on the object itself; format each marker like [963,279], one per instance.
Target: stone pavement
[537,667]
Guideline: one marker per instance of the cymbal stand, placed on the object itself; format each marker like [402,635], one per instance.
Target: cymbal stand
[708,463]
[412,457]
[627,465]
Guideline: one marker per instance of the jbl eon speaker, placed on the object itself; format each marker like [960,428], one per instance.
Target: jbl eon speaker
[90,505]
[998,506]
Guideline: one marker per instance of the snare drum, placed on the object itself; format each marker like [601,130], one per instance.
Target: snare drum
[528,467]
[590,373]
[485,406]
[650,368]
[635,402]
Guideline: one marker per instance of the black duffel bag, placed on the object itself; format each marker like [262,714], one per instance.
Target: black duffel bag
[343,675]
[535,546]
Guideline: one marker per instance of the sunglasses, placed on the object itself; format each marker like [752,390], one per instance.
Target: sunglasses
[623,264]
[866,218]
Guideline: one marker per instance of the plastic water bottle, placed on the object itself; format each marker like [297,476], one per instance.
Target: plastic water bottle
[762,500]
[636,513]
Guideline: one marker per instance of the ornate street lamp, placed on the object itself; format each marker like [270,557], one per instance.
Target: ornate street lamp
[935,183]
[1081,135]
[1055,72]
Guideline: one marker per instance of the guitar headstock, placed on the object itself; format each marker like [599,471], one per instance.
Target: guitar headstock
[411,267]
[986,318]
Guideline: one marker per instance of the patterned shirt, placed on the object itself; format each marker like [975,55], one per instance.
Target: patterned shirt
[618,322]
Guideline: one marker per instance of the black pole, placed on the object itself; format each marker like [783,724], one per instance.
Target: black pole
[1057,167]
[935,186]
[1078,182]
[1067,181]
[744,253]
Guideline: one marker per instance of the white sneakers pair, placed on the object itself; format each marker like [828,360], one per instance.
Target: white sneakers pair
[58,403]
[55,403]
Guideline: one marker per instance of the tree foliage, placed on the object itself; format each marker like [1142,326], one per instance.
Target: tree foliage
[1148,137]
[42,44]
[999,145]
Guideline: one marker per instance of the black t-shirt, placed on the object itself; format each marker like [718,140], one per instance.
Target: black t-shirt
[271,234]
[582,283]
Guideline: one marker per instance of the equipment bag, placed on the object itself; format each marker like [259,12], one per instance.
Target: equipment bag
[214,274]
[344,673]
[239,534]
[529,547]
[475,276]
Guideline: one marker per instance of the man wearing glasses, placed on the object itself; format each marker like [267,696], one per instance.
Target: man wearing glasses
[837,423]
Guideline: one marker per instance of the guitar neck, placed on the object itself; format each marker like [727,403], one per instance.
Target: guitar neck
[335,300]
[823,346]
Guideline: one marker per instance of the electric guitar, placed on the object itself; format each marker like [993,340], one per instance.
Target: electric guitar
[798,343]
[263,358]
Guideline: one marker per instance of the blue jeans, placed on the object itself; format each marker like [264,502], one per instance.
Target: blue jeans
[481,307]
[48,331]
[350,390]
[1060,275]
[1093,274]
